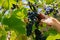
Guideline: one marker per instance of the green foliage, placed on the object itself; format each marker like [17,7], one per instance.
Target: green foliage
[2,34]
[0,17]
[15,24]
[49,1]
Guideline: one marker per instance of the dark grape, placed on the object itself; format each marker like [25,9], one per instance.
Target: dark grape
[51,10]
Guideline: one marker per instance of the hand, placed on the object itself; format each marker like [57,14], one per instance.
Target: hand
[50,21]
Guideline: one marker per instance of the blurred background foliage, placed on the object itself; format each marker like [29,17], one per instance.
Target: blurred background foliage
[13,21]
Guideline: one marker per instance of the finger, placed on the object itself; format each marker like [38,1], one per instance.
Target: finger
[44,21]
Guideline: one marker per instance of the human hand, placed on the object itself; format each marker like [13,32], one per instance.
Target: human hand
[49,21]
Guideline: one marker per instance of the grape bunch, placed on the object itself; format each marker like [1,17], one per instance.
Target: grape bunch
[32,19]
[48,10]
